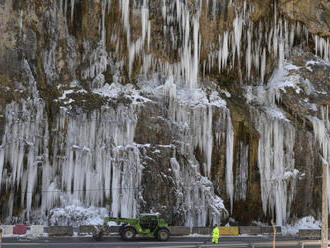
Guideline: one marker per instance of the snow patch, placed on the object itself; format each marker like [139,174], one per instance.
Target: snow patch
[116,90]
[77,215]
[307,222]
[66,92]
[275,113]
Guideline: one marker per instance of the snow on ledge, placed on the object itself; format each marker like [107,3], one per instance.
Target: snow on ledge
[116,90]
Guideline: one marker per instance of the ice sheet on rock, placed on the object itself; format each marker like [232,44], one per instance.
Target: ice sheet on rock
[97,60]
[270,94]
[196,194]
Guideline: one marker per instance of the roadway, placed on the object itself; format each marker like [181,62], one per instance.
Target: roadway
[178,242]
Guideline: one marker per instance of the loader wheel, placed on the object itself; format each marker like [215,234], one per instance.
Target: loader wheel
[128,233]
[97,235]
[163,234]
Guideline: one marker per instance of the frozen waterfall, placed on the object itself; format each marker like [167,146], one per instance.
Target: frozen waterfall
[86,159]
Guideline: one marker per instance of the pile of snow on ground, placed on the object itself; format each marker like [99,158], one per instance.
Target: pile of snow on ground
[75,216]
[307,222]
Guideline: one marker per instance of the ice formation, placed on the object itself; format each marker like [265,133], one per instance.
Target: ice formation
[193,113]
[242,172]
[322,47]
[276,165]
[201,205]
[276,145]
[321,127]
[93,158]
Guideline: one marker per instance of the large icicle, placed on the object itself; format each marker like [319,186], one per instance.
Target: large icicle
[321,129]
[229,161]
[276,165]
[322,47]
[242,172]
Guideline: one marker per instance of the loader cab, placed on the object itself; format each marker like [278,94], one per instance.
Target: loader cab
[149,221]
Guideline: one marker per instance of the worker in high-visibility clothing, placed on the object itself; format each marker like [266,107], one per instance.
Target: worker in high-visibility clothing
[215,234]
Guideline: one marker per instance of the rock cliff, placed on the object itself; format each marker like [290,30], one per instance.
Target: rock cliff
[203,110]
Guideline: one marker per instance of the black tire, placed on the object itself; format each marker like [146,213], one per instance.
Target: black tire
[121,228]
[163,234]
[97,235]
[128,233]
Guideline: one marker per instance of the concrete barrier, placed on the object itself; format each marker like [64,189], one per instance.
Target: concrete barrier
[269,229]
[250,230]
[7,229]
[202,230]
[60,231]
[36,230]
[310,233]
[229,230]
[85,229]
[179,230]
[19,229]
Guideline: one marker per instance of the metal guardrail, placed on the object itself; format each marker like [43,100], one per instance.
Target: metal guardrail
[290,243]
[311,243]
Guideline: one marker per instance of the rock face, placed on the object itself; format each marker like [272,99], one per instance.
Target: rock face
[200,110]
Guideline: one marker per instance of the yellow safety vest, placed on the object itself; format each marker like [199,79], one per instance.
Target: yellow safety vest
[215,232]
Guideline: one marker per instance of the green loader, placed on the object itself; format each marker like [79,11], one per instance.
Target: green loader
[146,225]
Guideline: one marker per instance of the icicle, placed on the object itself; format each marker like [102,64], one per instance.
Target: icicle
[242,172]
[124,5]
[109,6]
[225,50]
[248,55]
[2,155]
[103,30]
[292,31]
[195,63]
[281,55]
[238,25]
[322,47]
[20,21]
[72,9]
[263,65]
[276,165]
[145,20]
[65,9]
[229,161]
[321,129]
